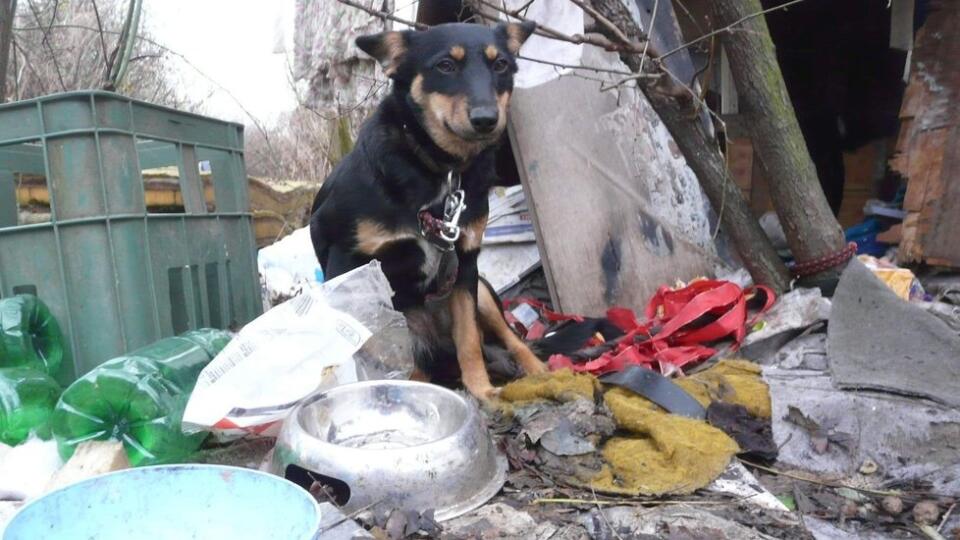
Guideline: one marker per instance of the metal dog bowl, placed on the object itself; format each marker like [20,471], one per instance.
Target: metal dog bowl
[394,444]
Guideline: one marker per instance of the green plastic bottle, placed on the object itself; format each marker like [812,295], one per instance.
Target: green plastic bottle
[30,336]
[27,399]
[139,399]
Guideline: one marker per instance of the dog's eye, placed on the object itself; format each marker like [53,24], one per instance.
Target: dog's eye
[501,65]
[446,66]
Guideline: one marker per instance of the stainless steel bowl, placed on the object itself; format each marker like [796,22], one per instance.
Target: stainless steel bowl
[399,444]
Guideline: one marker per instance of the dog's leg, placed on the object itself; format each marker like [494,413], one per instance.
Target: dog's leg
[491,318]
[419,375]
[463,309]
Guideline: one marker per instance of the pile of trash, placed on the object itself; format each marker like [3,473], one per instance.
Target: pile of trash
[721,410]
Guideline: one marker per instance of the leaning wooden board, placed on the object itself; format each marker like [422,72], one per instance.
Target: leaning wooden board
[928,149]
[616,210]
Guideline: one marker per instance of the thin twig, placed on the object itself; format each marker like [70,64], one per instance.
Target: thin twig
[573,66]
[729,27]
[653,18]
[629,503]
[930,532]
[597,16]
[46,39]
[946,516]
[820,482]
[604,516]
[577,39]
[28,64]
[689,15]
[253,119]
[350,516]
[103,41]
[523,8]
[383,14]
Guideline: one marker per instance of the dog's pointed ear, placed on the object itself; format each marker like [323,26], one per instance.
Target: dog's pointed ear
[515,34]
[388,48]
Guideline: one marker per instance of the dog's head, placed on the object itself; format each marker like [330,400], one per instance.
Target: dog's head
[456,77]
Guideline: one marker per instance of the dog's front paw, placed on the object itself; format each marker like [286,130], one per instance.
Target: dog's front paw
[482,390]
[530,363]
[534,367]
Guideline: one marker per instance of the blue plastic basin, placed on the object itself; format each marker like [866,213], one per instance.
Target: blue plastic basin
[170,502]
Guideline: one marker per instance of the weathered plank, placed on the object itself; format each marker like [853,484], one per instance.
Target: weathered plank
[928,148]
[617,211]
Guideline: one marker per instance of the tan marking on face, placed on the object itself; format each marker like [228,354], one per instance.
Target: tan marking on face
[491,51]
[471,235]
[457,53]
[416,90]
[371,236]
[466,336]
[445,116]
[441,111]
[491,320]
[503,106]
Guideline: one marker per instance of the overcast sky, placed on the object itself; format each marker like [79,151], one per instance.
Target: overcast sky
[237,43]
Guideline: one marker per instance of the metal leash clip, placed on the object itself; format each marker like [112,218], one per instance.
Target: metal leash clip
[453,206]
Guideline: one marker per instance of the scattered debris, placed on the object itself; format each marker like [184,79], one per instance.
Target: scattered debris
[753,435]
[26,469]
[878,341]
[926,512]
[303,345]
[892,505]
[821,433]
[91,458]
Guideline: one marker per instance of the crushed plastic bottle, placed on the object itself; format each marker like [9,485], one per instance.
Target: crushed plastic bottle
[30,336]
[27,399]
[139,399]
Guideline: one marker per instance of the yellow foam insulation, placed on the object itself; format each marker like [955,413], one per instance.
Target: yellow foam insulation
[657,453]
[730,381]
[664,454]
[563,385]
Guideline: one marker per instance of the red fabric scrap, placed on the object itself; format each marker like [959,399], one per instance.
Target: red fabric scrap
[675,343]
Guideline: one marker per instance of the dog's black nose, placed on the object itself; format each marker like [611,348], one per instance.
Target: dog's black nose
[484,119]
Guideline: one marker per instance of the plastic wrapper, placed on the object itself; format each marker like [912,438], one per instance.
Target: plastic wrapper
[366,295]
[139,399]
[27,399]
[30,336]
[339,332]
[902,281]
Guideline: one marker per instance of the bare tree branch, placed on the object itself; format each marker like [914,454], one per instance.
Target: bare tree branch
[46,39]
[575,66]
[597,16]
[103,40]
[730,26]
[383,14]
[577,39]
[26,62]
[653,18]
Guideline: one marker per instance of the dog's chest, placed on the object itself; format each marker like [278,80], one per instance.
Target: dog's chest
[432,257]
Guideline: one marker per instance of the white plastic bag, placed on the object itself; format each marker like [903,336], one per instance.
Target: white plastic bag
[26,469]
[304,345]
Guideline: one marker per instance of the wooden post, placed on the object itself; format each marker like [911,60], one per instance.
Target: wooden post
[812,230]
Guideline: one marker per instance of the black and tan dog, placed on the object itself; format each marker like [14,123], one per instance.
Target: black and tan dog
[413,192]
